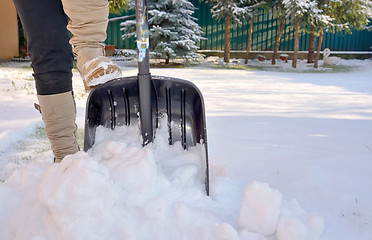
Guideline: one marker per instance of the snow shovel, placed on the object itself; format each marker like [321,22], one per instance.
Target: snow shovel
[144,99]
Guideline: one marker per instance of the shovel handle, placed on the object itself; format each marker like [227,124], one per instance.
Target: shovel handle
[144,77]
[142,31]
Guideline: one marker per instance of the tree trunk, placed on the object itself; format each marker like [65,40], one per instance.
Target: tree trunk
[249,40]
[226,57]
[167,61]
[310,55]
[296,43]
[320,41]
[281,23]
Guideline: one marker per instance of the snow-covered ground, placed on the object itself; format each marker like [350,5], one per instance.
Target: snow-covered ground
[290,154]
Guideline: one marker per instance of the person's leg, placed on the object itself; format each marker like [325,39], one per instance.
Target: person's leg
[59,112]
[44,23]
[88,24]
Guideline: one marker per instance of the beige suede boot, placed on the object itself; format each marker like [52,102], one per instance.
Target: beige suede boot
[94,68]
[88,24]
[58,112]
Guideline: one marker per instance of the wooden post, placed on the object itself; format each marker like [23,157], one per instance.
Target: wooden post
[8,31]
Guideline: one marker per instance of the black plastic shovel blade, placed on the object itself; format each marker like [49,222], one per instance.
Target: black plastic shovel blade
[116,103]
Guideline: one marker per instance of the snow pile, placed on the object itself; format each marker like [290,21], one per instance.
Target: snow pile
[263,212]
[260,209]
[295,223]
[9,137]
[119,190]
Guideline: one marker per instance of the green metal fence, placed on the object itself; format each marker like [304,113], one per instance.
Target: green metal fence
[263,38]
[114,34]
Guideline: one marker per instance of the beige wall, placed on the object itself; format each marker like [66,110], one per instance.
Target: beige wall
[8,30]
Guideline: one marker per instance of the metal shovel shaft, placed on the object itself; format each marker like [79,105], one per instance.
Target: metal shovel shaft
[144,77]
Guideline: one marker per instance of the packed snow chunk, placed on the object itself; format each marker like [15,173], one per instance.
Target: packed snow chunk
[226,192]
[78,192]
[291,228]
[10,200]
[315,224]
[25,217]
[260,209]
[226,232]
[247,235]
[186,176]
[157,209]
[295,223]
[131,167]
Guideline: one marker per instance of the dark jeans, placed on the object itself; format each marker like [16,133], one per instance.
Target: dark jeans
[44,23]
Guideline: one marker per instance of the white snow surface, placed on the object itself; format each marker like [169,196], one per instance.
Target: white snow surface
[290,158]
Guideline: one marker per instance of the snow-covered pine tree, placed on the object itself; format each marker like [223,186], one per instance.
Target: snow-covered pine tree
[231,11]
[279,11]
[341,15]
[301,12]
[328,8]
[174,32]
[319,21]
[354,14]
[252,9]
